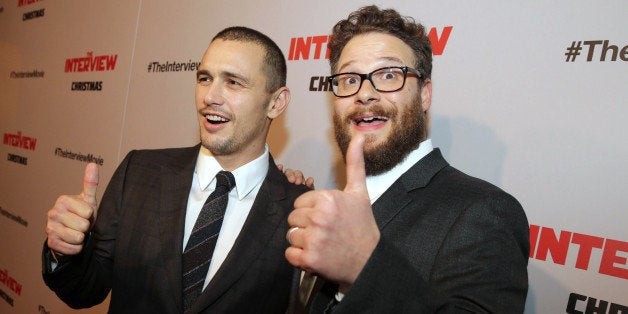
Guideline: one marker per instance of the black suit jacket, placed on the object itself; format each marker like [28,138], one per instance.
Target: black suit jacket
[135,248]
[450,243]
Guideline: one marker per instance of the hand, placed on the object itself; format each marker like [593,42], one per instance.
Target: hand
[337,232]
[71,217]
[297,177]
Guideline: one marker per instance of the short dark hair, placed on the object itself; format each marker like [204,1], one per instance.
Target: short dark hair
[372,19]
[275,63]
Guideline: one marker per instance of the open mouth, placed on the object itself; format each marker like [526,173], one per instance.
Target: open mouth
[215,119]
[365,120]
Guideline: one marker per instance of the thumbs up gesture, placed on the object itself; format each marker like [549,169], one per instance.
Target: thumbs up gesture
[334,232]
[71,216]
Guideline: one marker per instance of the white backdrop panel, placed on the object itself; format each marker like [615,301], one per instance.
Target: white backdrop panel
[507,107]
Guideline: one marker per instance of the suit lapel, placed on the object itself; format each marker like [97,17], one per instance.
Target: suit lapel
[396,197]
[260,225]
[176,182]
[389,204]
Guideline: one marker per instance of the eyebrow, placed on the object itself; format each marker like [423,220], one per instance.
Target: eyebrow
[224,74]
[394,59]
[235,75]
[201,72]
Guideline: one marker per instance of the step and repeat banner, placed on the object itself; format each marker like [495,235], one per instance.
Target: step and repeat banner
[531,97]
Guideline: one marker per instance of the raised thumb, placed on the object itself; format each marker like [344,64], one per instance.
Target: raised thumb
[90,184]
[356,173]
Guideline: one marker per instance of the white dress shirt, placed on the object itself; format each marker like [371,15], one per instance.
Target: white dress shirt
[248,177]
[377,185]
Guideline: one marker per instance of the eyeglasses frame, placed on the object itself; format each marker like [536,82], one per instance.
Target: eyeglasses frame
[368,76]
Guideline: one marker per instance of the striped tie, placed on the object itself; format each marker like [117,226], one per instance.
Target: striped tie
[200,247]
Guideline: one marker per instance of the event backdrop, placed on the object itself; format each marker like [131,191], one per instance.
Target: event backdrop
[530,96]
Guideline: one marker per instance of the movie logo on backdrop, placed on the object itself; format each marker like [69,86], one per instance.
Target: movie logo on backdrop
[8,299]
[19,141]
[596,50]
[42,310]
[26,74]
[316,48]
[13,217]
[172,66]
[87,86]
[544,240]
[27,2]
[10,283]
[68,154]
[582,304]
[90,63]
[319,84]
[33,14]
[18,159]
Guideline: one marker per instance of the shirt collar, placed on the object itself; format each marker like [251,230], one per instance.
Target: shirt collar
[247,176]
[378,184]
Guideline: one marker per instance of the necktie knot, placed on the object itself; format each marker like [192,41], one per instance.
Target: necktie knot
[225,181]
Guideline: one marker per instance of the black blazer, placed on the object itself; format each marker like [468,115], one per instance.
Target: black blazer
[135,248]
[450,243]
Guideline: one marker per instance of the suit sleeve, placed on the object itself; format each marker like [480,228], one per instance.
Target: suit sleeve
[84,280]
[480,267]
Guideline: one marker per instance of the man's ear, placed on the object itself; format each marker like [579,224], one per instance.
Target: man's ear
[279,102]
[426,95]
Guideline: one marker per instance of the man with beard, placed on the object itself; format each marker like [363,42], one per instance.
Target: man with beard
[155,244]
[409,233]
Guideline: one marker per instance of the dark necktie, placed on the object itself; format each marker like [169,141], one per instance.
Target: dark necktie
[200,247]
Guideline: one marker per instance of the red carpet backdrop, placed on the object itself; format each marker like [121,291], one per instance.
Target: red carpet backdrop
[529,96]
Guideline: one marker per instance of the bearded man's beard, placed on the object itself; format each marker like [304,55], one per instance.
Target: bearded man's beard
[405,136]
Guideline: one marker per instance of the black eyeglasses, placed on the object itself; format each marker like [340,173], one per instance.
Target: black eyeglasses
[388,79]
